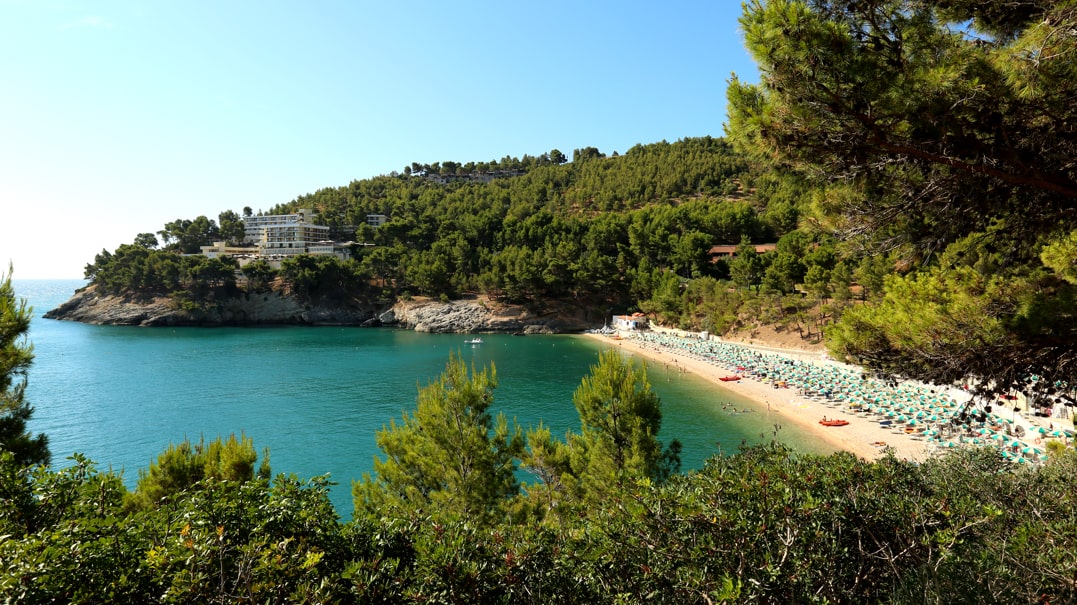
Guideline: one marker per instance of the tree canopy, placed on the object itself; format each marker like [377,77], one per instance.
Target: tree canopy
[16,355]
[451,458]
[941,133]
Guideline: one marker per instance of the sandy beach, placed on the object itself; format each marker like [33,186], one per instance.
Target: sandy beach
[861,436]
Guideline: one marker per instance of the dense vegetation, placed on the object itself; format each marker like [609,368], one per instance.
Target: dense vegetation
[16,355]
[625,232]
[606,519]
[919,150]
[940,132]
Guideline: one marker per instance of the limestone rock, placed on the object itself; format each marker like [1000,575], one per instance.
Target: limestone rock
[469,315]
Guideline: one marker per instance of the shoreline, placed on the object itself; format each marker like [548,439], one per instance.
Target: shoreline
[859,437]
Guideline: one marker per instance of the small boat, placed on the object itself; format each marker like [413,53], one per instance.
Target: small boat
[728,378]
[474,341]
[826,422]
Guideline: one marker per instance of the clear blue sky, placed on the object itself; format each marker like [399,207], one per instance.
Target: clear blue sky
[119,116]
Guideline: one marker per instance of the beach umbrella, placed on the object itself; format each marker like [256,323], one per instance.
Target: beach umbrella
[1015,443]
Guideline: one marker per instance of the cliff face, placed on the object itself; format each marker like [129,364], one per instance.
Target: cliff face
[479,315]
[276,308]
[89,306]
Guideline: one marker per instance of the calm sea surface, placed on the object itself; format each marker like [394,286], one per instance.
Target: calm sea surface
[315,396]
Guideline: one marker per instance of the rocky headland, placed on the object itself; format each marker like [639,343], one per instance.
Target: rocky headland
[467,315]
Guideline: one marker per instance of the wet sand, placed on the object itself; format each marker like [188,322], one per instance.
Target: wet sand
[861,436]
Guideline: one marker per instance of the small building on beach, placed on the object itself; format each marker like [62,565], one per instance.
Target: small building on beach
[635,321]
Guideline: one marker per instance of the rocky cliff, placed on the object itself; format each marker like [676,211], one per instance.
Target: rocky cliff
[480,315]
[90,306]
[277,308]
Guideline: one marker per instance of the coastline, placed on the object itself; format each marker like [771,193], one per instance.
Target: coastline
[467,315]
[859,437]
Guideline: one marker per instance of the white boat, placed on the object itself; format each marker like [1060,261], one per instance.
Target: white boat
[474,341]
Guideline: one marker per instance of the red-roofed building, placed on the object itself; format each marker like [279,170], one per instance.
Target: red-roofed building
[717,252]
[635,321]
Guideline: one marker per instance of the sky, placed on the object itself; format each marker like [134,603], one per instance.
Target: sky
[118,117]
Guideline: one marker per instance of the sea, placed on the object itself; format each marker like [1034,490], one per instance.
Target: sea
[316,396]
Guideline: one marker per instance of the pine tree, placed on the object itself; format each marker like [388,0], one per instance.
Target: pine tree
[450,458]
[620,417]
[941,135]
[16,355]
[181,466]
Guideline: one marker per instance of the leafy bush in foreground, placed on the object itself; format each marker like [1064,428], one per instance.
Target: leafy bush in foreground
[763,525]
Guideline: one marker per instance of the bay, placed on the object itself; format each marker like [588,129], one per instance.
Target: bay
[317,395]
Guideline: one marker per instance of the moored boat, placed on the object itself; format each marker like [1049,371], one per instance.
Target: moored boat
[833,422]
[728,378]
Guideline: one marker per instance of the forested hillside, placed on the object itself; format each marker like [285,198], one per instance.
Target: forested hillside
[608,233]
[913,162]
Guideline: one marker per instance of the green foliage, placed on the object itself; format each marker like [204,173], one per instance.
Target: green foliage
[544,231]
[259,275]
[746,268]
[1061,257]
[761,525]
[146,240]
[16,355]
[187,236]
[450,459]
[620,417]
[321,277]
[181,466]
[896,111]
[137,269]
[945,325]
[601,231]
[66,538]
[232,228]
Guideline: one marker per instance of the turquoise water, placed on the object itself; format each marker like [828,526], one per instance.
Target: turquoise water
[314,396]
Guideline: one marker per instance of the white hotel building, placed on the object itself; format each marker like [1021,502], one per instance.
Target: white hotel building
[277,236]
[287,234]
